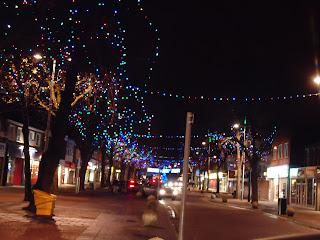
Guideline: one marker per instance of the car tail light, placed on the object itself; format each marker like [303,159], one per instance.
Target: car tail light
[132,181]
[153,181]
[131,186]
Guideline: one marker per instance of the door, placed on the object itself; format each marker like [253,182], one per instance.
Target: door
[17,172]
[301,189]
[298,193]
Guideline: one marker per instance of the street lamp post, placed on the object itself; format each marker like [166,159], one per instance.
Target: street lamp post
[208,180]
[46,144]
[50,106]
[237,126]
[243,163]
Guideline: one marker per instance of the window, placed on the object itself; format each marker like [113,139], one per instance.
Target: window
[38,139]
[280,151]
[69,150]
[19,135]
[31,135]
[12,129]
[32,138]
[275,153]
[286,150]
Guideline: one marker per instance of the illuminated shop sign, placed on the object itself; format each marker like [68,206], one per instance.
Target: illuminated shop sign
[165,170]
[294,172]
[277,171]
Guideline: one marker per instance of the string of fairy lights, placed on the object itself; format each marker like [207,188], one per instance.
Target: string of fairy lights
[66,34]
[224,99]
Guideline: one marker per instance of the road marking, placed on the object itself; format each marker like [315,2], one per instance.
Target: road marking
[65,221]
[171,212]
[237,207]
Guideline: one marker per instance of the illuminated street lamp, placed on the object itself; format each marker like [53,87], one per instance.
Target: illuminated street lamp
[317,80]
[37,56]
[236,126]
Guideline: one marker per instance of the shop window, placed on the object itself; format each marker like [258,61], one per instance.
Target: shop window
[286,150]
[12,129]
[19,135]
[280,151]
[38,139]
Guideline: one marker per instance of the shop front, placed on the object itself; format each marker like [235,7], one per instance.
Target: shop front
[303,186]
[278,178]
[213,180]
[14,164]
[90,173]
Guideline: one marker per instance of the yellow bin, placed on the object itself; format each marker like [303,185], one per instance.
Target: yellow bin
[44,202]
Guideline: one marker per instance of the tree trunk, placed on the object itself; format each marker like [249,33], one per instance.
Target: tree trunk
[123,170]
[85,157]
[103,166]
[134,172]
[109,173]
[54,187]
[254,177]
[126,172]
[27,173]
[57,145]
[113,173]
[195,177]
[218,179]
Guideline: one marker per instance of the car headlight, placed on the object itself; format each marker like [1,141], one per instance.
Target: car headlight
[170,184]
[176,184]
[175,192]
[162,191]
[180,184]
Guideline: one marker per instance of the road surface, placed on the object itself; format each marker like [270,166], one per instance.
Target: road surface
[208,220]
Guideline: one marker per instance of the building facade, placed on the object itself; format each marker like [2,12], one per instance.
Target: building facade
[11,152]
[278,172]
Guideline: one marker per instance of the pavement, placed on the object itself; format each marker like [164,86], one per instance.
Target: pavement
[100,214]
[304,216]
[92,214]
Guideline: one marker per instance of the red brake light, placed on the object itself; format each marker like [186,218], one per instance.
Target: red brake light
[131,186]
[153,181]
[161,181]
[132,181]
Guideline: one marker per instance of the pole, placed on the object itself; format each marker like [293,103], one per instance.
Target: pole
[158,183]
[50,107]
[189,121]
[208,169]
[243,167]
[249,185]
[243,162]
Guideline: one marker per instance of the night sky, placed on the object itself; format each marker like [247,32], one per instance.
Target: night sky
[222,49]
[233,49]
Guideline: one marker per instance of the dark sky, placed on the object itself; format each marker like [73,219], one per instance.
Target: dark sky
[225,49]
[233,49]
